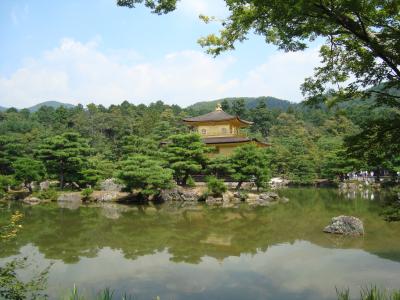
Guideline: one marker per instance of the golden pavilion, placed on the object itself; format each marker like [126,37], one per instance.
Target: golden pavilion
[221,130]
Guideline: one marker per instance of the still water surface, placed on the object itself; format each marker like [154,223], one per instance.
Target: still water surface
[200,252]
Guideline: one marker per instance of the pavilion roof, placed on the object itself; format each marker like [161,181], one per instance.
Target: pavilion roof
[215,116]
[231,140]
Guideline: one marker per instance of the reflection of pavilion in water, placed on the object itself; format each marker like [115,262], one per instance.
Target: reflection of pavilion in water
[367,194]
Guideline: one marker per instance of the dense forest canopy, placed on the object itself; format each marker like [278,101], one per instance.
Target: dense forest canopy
[87,144]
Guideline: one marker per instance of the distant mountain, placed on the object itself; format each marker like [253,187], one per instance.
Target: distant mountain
[3,108]
[54,104]
[250,102]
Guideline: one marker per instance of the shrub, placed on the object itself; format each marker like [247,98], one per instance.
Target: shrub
[5,182]
[215,186]
[86,193]
[49,194]
[190,182]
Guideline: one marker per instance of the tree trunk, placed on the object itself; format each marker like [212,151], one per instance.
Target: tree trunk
[28,186]
[62,180]
[184,179]
[239,185]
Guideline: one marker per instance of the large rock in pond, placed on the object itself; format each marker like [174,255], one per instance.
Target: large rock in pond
[346,225]
[110,185]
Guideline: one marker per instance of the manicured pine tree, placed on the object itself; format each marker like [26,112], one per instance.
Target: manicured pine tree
[64,156]
[185,154]
[27,170]
[250,163]
[145,174]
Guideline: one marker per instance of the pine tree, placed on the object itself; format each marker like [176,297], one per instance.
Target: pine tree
[185,154]
[64,156]
[145,174]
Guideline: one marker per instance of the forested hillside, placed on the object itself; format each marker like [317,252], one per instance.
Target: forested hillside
[54,104]
[249,102]
[86,144]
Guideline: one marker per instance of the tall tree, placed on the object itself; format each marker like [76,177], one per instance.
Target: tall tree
[11,148]
[64,156]
[185,154]
[239,108]
[362,45]
[262,118]
[28,170]
[145,174]
[250,163]
[294,150]
[225,105]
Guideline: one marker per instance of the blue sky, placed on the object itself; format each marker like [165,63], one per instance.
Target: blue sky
[94,51]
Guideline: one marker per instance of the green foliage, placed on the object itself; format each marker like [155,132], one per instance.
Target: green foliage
[361,40]
[263,119]
[361,50]
[377,144]
[307,143]
[219,166]
[13,287]
[132,145]
[106,294]
[5,182]
[250,163]
[11,148]
[185,155]
[28,170]
[145,174]
[294,152]
[190,182]
[64,155]
[215,186]
[49,194]
[86,193]
[10,230]
[370,293]
[239,108]
[96,168]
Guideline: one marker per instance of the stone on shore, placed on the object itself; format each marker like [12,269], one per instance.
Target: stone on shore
[31,200]
[110,185]
[44,185]
[181,194]
[346,225]
[265,199]
[108,196]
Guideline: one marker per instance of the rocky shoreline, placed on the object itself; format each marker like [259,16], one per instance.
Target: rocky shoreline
[111,192]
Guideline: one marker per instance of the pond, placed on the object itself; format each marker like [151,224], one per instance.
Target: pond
[200,252]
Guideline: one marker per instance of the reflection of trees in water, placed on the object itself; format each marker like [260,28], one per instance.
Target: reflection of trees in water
[192,233]
[12,286]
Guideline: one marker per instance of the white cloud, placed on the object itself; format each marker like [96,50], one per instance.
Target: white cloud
[18,14]
[76,72]
[193,8]
[280,76]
